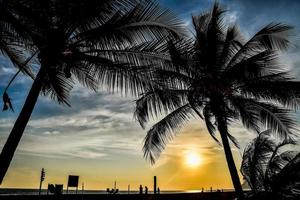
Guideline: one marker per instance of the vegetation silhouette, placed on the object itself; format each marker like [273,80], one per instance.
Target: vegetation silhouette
[270,166]
[220,77]
[93,42]
[11,29]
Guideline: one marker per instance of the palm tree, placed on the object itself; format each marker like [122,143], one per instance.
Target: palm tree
[269,166]
[94,42]
[10,29]
[219,77]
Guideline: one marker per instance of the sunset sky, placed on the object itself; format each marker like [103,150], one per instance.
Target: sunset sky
[99,140]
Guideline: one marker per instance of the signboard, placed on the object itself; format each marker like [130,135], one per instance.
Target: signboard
[73,181]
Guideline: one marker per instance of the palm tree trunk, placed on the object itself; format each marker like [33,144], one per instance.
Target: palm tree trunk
[20,124]
[222,127]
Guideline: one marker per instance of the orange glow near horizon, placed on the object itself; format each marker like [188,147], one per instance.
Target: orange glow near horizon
[190,162]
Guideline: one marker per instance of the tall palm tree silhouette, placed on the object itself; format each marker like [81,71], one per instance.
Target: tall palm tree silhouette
[220,77]
[94,42]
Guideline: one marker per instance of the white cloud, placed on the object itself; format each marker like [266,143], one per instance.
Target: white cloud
[8,70]
[51,132]
[231,17]
[102,126]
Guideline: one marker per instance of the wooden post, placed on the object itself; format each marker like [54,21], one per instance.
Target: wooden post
[82,188]
[155,185]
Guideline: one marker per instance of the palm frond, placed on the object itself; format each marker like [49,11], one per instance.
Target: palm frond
[115,75]
[215,35]
[162,132]
[180,52]
[267,155]
[144,21]
[284,90]
[274,36]
[278,162]
[58,87]
[85,75]
[233,42]
[260,64]
[200,23]
[255,159]
[147,53]
[209,125]
[249,117]
[288,178]
[233,140]
[158,101]
[149,17]
[277,119]
[17,57]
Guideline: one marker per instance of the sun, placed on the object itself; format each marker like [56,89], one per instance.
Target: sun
[192,159]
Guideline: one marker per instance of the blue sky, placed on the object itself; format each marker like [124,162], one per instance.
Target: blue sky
[99,127]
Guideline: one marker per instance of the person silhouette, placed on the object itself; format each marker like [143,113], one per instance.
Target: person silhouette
[158,190]
[146,190]
[141,189]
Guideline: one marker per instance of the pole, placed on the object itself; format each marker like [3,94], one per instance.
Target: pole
[40,188]
[155,185]
[82,188]
[41,180]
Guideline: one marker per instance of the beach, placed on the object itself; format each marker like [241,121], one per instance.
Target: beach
[179,196]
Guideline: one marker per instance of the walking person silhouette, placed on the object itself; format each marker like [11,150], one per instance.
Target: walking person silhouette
[141,189]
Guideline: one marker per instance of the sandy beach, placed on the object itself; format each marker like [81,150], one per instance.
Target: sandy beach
[182,196]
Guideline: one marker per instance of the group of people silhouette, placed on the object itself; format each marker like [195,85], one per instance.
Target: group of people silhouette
[141,190]
[146,190]
[112,191]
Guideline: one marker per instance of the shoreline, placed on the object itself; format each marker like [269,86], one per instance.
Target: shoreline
[34,191]
[164,196]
